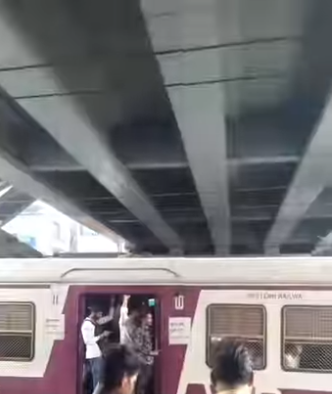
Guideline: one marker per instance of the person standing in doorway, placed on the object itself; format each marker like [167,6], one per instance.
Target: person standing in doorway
[92,351]
[136,335]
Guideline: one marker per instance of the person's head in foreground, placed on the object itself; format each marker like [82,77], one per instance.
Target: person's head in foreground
[119,371]
[232,368]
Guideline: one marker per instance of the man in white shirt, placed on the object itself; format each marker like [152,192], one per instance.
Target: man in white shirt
[92,350]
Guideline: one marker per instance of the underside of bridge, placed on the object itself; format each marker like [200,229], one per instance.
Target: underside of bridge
[195,127]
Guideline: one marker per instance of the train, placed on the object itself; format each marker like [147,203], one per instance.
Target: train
[275,305]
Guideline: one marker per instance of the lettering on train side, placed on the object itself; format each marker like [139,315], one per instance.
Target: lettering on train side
[270,295]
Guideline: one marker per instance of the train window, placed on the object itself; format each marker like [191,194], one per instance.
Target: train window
[246,322]
[307,338]
[17,322]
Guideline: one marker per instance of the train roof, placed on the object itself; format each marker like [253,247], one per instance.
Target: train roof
[275,270]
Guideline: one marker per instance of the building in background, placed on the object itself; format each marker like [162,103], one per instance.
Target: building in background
[51,232]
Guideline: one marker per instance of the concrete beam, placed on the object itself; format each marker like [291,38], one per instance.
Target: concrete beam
[200,119]
[310,179]
[200,110]
[131,165]
[250,214]
[46,160]
[258,161]
[75,101]
[18,175]
[48,164]
[72,129]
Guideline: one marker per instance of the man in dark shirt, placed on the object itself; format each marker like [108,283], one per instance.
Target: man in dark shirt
[136,335]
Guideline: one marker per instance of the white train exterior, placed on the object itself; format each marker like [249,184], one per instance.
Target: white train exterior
[271,303]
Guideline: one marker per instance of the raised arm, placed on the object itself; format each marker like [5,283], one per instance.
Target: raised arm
[111,313]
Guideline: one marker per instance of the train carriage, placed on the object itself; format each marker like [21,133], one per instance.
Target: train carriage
[272,304]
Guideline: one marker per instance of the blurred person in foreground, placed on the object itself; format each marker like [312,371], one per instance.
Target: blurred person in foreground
[119,371]
[232,369]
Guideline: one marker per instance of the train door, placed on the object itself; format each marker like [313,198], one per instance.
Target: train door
[119,308]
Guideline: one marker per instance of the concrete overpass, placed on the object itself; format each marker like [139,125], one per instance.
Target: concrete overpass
[194,127]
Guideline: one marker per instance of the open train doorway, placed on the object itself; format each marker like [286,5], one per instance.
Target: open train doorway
[115,312]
